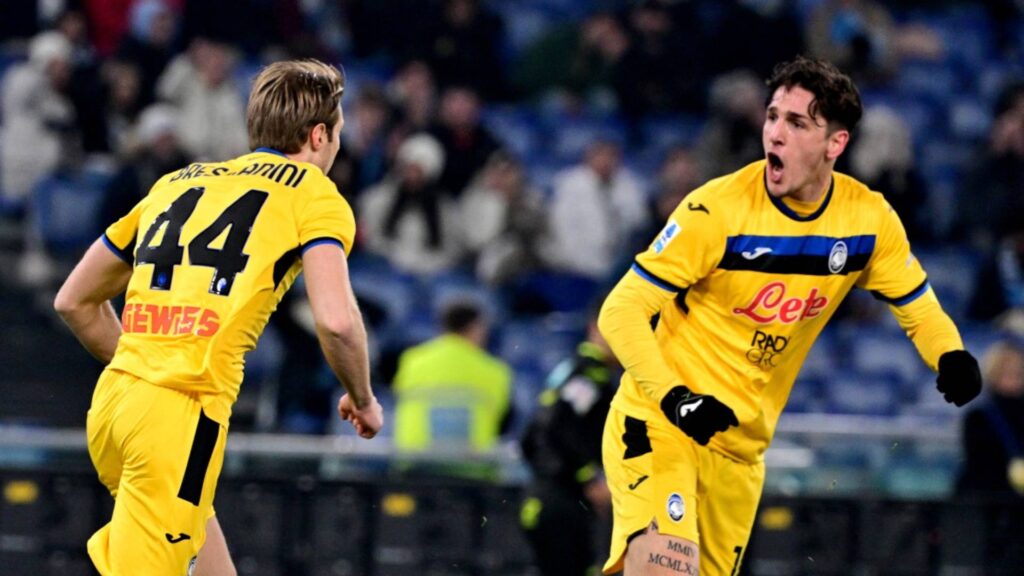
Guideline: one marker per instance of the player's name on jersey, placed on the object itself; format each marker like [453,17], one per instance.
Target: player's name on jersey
[159,319]
[285,173]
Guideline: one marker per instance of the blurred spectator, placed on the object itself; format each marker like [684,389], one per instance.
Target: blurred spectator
[305,387]
[200,83]
[597,207]
[408,218]
[732,137]
[85,88]
[862,38]
[882,156]
[999,289]
[366,139]
[149,44]
[996,200]
[467,144]
[574,61]
[993,432]
[155,151]
[122,85]
[678,176]
[413,93]
[562,446]
[662,71]
[450,391]
[39,120]
[504,220]
[463,47]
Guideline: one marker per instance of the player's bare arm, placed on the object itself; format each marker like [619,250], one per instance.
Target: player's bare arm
[656,554]
[83,302]
[342,336]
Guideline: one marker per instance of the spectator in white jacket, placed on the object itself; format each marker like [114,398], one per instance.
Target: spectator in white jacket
[38,117]
[408,218]
[597,208]
[201,85]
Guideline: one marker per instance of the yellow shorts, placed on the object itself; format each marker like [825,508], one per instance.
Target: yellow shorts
[656,473]
[160,456]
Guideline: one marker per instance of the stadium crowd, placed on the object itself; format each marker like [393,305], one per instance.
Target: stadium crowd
[519,152]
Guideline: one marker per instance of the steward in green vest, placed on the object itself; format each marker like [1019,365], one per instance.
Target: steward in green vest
[450,391]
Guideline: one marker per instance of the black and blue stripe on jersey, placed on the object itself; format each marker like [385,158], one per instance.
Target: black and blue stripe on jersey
[805,255]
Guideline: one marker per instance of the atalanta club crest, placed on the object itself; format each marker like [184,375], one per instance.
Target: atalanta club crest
[837,258]
[676,508]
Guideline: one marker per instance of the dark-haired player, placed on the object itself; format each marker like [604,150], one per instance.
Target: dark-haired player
[744,275]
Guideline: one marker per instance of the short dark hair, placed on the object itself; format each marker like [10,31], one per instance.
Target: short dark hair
[459,315]
[836,97]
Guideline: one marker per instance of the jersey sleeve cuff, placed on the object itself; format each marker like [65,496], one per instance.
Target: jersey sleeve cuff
[653,279]
[907,298]
[124,254]
[323,240]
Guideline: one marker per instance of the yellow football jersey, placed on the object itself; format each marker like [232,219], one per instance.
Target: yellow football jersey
[214,248]
[755,281]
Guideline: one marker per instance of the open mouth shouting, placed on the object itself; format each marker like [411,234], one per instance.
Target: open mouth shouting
[774,168]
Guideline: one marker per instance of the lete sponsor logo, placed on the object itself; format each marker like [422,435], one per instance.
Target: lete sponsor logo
[771,305]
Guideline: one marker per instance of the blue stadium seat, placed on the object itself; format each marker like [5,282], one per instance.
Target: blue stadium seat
[807,395]
[824,359]
[66,208]
[929,80]
[517,341]
[396,293]
[851,394]
[920,114]
[542,172]
[527,384]
[967,34]
[970,119]
[885,352]
[360,72]
[571,136]
[951,157]
[979,337]
[518,128]
[952,273]
[525,24]
[443,288]
[665,131]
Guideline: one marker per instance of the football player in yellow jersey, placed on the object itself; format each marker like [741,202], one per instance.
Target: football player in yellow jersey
[744,276]
[205,259]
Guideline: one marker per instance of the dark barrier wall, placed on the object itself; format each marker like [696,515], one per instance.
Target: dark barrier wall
[446,527]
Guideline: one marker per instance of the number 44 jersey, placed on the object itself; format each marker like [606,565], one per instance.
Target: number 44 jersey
[214,247]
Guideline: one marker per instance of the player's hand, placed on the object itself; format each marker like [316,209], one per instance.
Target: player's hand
[367,421]
[699,416]
[959,378]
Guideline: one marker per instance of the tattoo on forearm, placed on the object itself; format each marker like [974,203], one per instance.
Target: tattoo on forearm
[674,564]
[684,549]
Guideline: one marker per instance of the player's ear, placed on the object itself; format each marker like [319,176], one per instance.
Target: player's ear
[318,136]
[837,142]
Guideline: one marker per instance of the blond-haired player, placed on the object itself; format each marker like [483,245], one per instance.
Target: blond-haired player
[204,260]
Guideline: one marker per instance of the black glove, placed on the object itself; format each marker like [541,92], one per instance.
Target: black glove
[959,377]
[699,416]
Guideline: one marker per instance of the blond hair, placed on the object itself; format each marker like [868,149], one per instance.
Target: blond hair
[288,99]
